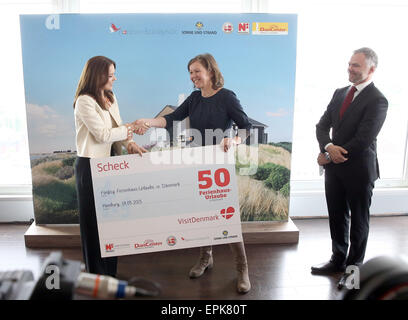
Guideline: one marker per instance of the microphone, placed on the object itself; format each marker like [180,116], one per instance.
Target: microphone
[68,277]
[106,287]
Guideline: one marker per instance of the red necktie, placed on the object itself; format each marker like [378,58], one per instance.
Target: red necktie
[347,101]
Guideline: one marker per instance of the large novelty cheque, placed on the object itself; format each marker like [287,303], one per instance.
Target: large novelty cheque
[166,200]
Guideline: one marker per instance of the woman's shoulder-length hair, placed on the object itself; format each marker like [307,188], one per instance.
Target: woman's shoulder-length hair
[209,63]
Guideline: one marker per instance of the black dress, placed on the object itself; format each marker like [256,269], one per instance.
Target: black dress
[87,222]
[216,112]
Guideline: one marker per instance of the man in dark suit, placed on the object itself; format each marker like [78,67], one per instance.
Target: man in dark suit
[355,115]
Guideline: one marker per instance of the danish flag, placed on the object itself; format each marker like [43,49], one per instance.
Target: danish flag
[227,27]
[227,213]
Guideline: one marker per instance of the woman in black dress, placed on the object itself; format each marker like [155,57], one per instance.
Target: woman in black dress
[210,107]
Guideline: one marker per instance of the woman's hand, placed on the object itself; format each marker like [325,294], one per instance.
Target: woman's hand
[133,148]
[130,128]
[226,143]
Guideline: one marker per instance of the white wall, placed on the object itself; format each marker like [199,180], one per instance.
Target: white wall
[16,208]
[317,48]
[384,201]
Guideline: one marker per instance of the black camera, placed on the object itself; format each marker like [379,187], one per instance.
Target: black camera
[62,279]
[381,278]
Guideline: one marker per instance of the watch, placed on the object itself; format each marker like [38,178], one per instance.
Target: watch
[327,156]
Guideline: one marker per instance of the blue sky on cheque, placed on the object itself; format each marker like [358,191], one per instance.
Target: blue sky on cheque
[151,52]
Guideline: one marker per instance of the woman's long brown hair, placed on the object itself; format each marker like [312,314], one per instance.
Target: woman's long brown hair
[94,76]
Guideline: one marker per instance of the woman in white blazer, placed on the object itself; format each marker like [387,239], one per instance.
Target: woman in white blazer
[99,130]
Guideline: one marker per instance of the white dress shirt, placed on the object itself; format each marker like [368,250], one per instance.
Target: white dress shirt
[95,130]
[360,88]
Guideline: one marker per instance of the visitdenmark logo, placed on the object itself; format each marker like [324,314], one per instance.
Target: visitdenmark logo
[228,213]
[225,213]
[197,220]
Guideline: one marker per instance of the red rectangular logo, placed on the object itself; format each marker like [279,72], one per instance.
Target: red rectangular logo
[243,27]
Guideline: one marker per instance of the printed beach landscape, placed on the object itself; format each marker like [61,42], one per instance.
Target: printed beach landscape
[263,196]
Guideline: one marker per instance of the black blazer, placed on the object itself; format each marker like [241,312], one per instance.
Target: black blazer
[356,132]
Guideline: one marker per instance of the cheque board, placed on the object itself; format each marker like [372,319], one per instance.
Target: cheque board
[144,204]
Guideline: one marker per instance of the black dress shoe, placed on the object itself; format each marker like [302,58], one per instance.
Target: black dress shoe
[328,268]
[343,280]
[351,278]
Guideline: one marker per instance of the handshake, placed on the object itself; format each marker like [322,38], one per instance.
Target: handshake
[139,127]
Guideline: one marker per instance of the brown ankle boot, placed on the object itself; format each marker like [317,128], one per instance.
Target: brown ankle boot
[238,250]
[205,261]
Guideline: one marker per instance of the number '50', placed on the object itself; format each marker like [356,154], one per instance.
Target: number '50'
[205,177]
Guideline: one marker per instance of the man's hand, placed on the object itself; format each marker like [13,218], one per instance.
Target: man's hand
[322,160]
[337,153]
[134,148]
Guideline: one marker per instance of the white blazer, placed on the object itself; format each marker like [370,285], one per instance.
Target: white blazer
[94,132]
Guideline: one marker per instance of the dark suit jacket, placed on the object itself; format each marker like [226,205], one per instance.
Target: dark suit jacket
[356,132]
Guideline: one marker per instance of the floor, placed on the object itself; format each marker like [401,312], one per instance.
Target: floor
[276,271]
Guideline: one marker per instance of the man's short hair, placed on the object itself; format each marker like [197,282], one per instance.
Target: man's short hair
[370,55]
